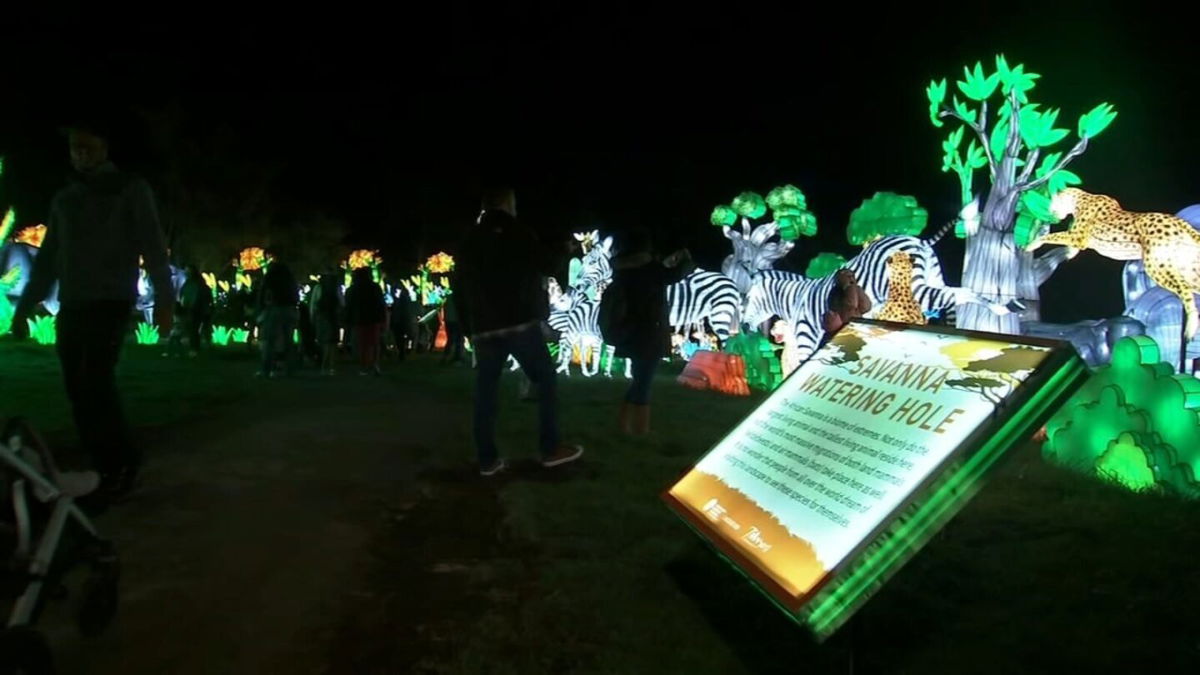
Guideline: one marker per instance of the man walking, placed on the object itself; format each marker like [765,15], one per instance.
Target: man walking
[501,264]
[98,226]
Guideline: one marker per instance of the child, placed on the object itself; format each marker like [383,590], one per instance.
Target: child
[641,279]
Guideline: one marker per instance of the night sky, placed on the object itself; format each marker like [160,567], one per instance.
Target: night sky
[608,117]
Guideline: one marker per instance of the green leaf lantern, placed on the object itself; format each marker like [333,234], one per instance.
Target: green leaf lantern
[824,264]
[936,91]
[723,216]
[885,214]
[749,205]
[1096,120]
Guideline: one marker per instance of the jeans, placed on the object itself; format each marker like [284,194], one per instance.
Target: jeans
[89,341]
[643,376]
[275,336]
[528,348]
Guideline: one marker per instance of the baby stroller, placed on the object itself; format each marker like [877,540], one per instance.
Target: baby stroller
[42,549]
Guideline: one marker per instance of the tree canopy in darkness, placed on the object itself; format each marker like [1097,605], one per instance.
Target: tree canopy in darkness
[602,118]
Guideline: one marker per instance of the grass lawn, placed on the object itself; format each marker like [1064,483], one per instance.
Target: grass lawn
[578,570]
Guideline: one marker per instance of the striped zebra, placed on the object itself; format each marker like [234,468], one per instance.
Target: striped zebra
[704,296]
[803,301]
[597,271]
[579,328]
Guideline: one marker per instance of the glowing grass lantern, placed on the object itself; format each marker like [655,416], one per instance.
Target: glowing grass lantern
[33,235]
[221,335]
[146,334]
[42,330]
[240,335]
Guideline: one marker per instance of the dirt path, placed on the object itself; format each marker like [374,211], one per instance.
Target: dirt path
[256,543]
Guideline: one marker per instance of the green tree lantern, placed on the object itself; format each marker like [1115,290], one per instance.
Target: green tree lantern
[1016,146]
[885,214]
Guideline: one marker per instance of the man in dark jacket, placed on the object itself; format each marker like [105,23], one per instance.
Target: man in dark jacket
[500,268]
[97,227]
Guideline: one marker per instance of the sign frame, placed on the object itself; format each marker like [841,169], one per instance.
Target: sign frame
[936,499]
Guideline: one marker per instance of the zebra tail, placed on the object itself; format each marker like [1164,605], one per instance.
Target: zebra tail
[942,232]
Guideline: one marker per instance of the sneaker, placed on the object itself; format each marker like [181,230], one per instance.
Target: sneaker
[496,467]
[563,454]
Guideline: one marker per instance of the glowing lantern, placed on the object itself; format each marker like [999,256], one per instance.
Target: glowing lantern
[32,235]
[439,263]
[723,373]
[252,258]
[363,258]
[441,339]
[1134,422]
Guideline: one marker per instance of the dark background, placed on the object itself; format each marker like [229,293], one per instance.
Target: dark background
[604,117]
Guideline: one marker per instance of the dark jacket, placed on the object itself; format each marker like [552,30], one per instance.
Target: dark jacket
[643,280]
[364,304]
[278,288]
[97,227]
[500,268]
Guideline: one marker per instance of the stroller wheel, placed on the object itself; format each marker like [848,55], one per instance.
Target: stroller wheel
[100,596]
[23,651]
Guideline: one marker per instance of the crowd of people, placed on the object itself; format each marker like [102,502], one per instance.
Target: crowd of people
[106,220]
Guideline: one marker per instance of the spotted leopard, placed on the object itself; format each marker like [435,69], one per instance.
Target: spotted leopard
[1168,246]
[900,305]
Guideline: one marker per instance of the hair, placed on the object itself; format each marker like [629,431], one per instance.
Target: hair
[497,196]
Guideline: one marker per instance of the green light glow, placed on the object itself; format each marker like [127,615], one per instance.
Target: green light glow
[723,216]
[824,264]
[1096,120]
[884,214]
[241,335]
[7,282]
[749,205]
[221,335]
[1135,402]
[837,603]
[1038,132]
[1124,462]
[42,330]
[763,370]
[146,334]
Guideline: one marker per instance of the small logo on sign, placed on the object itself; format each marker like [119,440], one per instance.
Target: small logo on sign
[755,539]
[713,509]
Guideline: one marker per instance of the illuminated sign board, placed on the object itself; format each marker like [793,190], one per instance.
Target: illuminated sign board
[863,453]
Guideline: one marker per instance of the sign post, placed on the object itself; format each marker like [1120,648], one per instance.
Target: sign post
[863,453]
